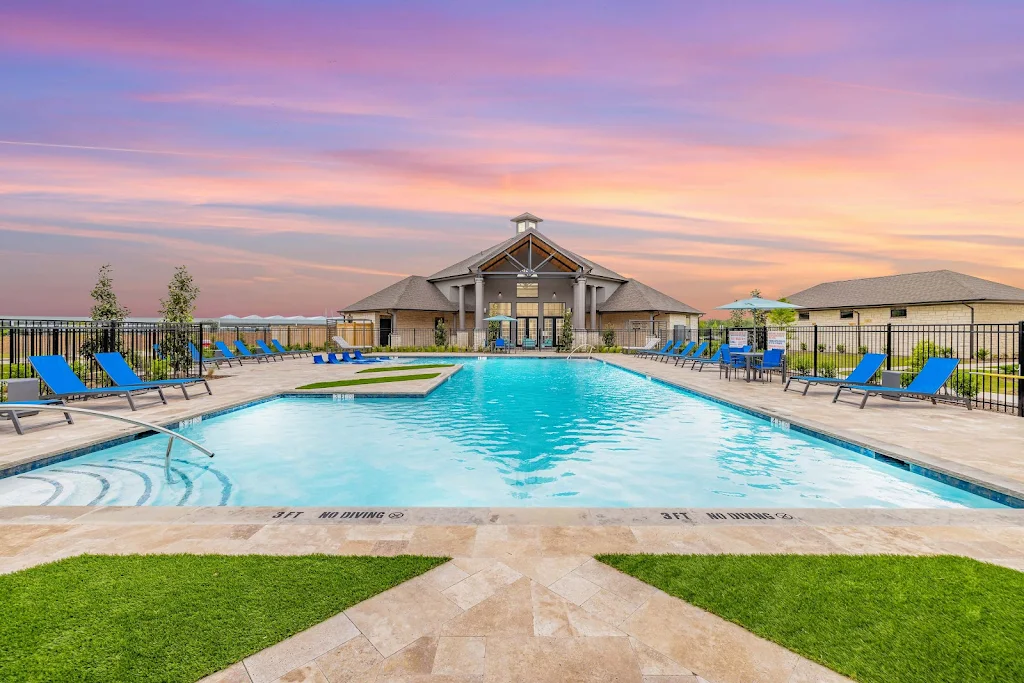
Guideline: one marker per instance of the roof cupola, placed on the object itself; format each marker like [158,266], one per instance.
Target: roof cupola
[526,221]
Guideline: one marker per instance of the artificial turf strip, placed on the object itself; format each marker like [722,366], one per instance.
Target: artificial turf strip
[368,380]
[874,618]
[164,618]
[397,368]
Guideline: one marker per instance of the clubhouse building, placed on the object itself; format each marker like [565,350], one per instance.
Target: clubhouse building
[530,278]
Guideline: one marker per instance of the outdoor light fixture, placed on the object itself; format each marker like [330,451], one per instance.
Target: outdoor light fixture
[499,293]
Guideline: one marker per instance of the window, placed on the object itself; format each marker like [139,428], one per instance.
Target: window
[526,310]
[845,315]
[554,310]
[803,315]
[527,290]
[897,313]
[500,308]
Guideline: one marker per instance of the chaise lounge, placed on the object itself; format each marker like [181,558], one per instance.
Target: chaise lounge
[926,385]
[64,383]
[121,373]
[862,374]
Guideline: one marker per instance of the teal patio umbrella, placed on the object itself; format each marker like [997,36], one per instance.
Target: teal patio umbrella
[500,319]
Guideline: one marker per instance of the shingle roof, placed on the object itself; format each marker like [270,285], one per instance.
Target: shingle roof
[936,286]
[636,296]
[414,293]
[466,266]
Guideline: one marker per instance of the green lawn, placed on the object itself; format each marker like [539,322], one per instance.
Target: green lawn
[368,380]
[173,617]
[397,368]
[874,618]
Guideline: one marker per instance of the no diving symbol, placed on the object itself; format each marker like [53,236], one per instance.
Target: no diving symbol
[784,515]
[396,515]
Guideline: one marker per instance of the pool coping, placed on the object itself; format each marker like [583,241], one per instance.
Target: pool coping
[979,482]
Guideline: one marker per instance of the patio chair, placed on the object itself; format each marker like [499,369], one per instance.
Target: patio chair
[276,355]
[651,351]
[769,363]
[680,353]
[715,359]
[926,385]
[245,354]
[500,346]
[862,374]
[730,362]
[674,348]
[529,344]
[121,373]
[318,359]
[651,344]
[697,353]
[358,355]
[197,357]
[547,343]
[294,353]
[345,358]
[64,383]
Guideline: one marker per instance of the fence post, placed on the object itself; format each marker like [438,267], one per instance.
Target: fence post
[1020,368]
[815,344]
[888,346]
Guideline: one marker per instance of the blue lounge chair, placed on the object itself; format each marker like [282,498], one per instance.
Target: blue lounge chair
[697,353]
[642,353]
[281,349]
[13,414]
[197,357]
[680,353]
[64,383]
[376,359]
[121,373]
[674,348]
[345,358]
[933,376]
[862,374]
[246,354]
[770,362]
[227,353]
[318,360]
[269,352]
[715,359]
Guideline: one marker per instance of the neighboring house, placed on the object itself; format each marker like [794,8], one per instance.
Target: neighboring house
[938,297]
[528,277]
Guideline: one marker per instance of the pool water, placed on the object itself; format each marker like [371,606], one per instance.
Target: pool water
[502,432]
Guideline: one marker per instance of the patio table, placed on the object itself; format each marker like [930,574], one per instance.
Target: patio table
[748,359]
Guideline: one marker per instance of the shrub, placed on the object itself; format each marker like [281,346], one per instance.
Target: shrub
[821,348]
[440,333]
[862,349]
[803,346]
[965,385]
[827,369]
[841,348]
[158,369]
[608,337]
[803,366]
[981,354]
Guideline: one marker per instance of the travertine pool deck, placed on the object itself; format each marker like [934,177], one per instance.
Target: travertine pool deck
[523,600]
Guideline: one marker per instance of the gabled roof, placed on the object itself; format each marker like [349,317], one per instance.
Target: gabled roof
[527,216]
[468,265]
[636,296]
[935,286]
[414,293]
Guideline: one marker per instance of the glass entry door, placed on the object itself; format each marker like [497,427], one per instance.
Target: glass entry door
[526,328]
[552,332]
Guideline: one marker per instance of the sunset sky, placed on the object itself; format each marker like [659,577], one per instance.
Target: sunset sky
[300,155]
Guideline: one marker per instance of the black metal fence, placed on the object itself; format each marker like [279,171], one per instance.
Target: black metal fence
[420,338]
[990,354]
[154,350]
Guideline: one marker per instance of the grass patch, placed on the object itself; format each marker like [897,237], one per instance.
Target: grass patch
[407,367]
[174,617]
[368,380]
[874,618]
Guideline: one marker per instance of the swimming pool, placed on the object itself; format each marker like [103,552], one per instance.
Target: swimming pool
[503,432]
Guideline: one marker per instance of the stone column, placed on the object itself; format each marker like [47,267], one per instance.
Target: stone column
[593,307]
[579,318]
[462,307]
[480,314]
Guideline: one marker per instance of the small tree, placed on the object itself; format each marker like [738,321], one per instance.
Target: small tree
[782,317]
[107,307]
[759,316]
[179,308]
[738,318]
[440,333]
[565,337]
[182,292]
